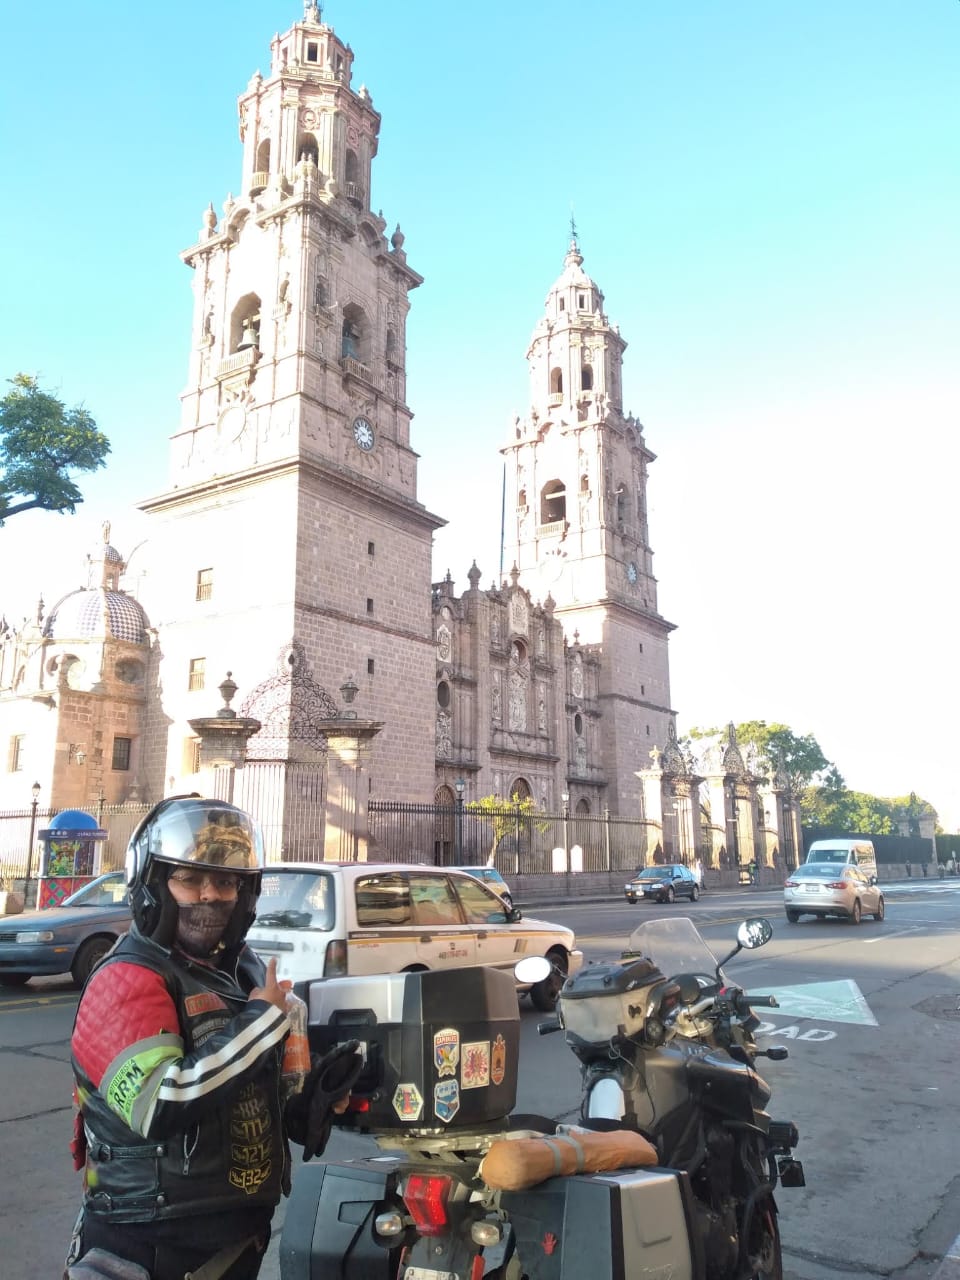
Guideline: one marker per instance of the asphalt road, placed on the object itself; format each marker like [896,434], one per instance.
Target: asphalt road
[869,1082]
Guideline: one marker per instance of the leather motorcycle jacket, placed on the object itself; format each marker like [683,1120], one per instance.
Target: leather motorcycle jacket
[181,1119]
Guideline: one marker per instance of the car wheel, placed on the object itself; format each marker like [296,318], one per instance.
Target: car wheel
[695,893]
[855,914]
[881,910]
[632,901]
[543,995]
[793,917]
[14,979]
[670,895]
[88,957]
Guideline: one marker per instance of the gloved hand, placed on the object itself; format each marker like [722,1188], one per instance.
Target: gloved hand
[309,1113]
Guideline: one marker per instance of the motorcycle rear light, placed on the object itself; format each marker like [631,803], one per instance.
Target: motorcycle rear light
[426,1195]
[358,1104]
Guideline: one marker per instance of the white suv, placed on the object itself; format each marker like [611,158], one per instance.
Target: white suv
[330,919]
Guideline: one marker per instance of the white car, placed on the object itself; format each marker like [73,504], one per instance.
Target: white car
[831,889]
[332,919]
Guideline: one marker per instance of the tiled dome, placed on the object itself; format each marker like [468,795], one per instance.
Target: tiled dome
[93,614]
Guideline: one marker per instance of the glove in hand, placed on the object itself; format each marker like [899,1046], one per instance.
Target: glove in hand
[309,1114]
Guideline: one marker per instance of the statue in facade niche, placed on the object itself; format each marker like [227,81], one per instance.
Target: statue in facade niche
[518,702]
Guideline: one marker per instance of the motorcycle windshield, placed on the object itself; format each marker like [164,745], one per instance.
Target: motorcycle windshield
[675,946]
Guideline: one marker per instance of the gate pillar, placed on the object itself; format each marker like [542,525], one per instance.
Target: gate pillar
[346,835]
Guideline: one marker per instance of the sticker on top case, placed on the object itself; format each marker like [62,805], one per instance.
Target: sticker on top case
[475,1065]
[446,1099]
[498,1060]
[446,1051]
[408,1102]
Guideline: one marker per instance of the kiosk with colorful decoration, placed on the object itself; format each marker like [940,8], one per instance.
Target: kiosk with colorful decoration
[71,847]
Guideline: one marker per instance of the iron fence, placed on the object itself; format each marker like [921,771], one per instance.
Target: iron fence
[520,843]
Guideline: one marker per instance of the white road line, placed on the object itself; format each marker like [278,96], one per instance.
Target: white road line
[899,933]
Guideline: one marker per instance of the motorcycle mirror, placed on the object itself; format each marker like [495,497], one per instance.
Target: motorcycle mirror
[532,969]
[755,932]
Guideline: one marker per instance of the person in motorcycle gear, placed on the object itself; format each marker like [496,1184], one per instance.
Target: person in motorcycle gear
[176,1051]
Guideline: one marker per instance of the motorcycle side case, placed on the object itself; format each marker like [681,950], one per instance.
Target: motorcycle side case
[441,1047]
[327,1230]
[608,1225]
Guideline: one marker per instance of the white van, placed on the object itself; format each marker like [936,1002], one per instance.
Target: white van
[333,919]
[849,853]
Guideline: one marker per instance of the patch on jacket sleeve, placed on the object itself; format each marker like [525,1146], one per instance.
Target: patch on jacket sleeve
[125,1081]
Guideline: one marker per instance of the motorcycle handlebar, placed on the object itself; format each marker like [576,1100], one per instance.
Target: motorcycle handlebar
[549,1024]
[766,1002]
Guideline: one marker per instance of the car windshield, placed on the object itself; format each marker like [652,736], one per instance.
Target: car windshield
[674,945]
[296,900]
[107,891]
[653,873]
[815,871]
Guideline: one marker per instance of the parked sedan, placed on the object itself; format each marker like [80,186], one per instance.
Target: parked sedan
[662,884]
[70,938]
[492,878]
[826,889]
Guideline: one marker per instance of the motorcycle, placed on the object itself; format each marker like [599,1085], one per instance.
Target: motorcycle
[669,1057]
[667,1048]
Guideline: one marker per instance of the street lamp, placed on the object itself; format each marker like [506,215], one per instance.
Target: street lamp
[35,792]
[565,812]
[459,786]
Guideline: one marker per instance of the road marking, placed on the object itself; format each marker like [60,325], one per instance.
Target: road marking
[897,933]
[840,1001]
[36,1002]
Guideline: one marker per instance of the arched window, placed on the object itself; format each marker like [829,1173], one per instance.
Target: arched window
[443,694]
[621,505]
[518,651]
[586,378]
[263,157]
[578,724]
[245,324]
[354,335]
[583,806]
[522,498]
[521,790]
[351,167]
[556,382]
[307,148]
[584,483]
[553,502]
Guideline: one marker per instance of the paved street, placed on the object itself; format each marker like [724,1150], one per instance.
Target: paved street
[867,1082]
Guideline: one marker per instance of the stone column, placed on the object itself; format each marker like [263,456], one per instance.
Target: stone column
[224,738]
[346,835]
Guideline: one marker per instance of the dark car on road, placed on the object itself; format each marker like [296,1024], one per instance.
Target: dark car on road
[662,884]
[70,938]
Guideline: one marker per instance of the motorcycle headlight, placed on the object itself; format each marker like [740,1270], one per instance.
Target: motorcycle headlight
[35,935]
[654,1031]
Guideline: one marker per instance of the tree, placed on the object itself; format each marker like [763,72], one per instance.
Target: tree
[775,745]
[504,817]
[41,443]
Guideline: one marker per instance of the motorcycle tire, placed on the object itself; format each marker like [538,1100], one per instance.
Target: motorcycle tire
[767,1249]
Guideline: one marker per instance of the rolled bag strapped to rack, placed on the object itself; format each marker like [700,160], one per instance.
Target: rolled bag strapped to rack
[513,1164]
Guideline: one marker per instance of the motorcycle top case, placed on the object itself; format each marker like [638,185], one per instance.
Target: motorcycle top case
[607,1000]
[440,1047]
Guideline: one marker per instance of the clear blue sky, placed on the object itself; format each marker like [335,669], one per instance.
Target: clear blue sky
[768,195]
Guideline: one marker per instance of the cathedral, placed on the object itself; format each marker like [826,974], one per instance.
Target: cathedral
[289,545]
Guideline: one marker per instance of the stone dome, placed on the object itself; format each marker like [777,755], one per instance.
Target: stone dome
[95,613]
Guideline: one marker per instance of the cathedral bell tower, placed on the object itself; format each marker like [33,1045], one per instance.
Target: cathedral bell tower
[576,482]
[292,515]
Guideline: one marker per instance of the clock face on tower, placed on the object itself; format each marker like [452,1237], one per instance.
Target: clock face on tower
[363,434]
[631,573]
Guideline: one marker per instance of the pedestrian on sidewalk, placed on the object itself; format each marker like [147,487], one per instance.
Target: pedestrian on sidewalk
[909,868]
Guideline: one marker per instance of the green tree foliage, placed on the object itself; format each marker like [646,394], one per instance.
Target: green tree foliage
[777,745]
[41,443]
[854,811]
[503,817]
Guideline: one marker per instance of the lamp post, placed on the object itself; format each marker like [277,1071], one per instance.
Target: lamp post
[565,813]
[459,786]
[35,792]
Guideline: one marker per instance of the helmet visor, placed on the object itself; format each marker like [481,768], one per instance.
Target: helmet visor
[206,833]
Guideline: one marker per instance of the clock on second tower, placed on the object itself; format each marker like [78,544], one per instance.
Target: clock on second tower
[363,434]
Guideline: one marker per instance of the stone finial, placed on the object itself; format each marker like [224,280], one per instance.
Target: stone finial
[473,577]
[210,219]
[514,574]
[398,238]
[228,691]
